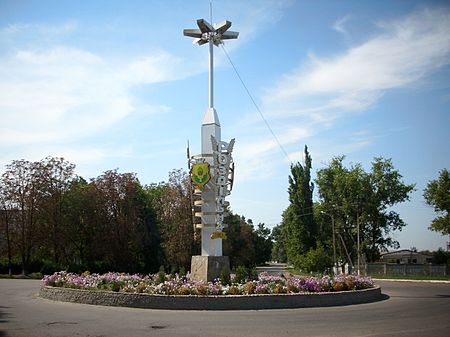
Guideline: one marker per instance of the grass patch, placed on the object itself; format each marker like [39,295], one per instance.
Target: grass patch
[300,273]
[411,277]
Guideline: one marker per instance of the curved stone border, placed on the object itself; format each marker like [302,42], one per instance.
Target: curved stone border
[229,302]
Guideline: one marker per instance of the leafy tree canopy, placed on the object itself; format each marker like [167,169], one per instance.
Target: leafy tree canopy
[298,225]
[362,200]
[437,194]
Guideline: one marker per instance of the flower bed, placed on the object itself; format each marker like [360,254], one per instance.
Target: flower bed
[162,284]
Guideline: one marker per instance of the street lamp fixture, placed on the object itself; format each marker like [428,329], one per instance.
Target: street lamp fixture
[214,35]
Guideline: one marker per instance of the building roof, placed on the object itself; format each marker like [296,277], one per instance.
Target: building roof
[403,252]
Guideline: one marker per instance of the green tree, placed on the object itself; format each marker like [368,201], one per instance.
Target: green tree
[119,219]
[441,257]
[386,189]
[239,245]
[298,223]
[54,177]
[6,214]
[360,202]
[262,241]
[323,223]
[437,195]
[79,231]
[20,200]
[171,201]
[278,248]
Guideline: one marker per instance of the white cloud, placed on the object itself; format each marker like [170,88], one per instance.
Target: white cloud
[324,90]
[56,94]
[261,15]
[250,18]
[262,146]
[52,91]
[161,66]
[13,30]
[255,153]
[404,52]
[339,25]
[61,93]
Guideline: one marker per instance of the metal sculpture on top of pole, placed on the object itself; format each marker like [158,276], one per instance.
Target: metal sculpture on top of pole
[214,36]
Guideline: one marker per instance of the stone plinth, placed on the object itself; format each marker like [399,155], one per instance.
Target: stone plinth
[208,268]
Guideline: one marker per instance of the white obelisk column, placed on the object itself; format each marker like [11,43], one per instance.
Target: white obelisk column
[210,127]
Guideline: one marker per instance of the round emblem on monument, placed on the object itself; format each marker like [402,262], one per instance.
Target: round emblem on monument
[200,174]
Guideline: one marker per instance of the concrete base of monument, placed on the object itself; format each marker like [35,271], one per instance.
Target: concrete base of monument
[228,302]
[209,268]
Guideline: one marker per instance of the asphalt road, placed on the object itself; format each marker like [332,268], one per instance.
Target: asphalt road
[409,309]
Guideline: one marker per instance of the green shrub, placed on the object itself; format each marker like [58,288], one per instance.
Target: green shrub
[100,267]
[16,266]
[161,275]
[316,260]
[225,277]
[49,267]
[243,275]
[240,275]
[77,268]
[36,276]
[115,286]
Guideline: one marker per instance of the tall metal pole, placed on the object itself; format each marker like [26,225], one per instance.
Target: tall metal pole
[357,235]
[334,246]
[211,75]
[334,242]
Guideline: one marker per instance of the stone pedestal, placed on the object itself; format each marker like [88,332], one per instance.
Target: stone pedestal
[208,268]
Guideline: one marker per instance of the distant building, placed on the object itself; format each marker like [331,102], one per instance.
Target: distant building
[406,256]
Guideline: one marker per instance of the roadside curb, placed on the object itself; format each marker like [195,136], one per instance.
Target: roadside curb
[407,280]
[229,302]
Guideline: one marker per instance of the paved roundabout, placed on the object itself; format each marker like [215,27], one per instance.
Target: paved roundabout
[407,309]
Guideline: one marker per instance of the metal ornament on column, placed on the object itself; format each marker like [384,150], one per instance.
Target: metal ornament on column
[215,161]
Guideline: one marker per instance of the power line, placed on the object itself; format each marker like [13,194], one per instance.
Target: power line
[256,106]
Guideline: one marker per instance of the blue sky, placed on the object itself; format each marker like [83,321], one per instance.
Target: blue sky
[114,84]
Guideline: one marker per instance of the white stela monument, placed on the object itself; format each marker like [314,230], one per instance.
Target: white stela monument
[211,171]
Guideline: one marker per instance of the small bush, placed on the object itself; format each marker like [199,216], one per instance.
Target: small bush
[49,267]
[233,290]
[316,260]
[161,275]
[36,276]
[225,277]
[16,266]
[249,287]
[76,268]
[243,274]
[115,286]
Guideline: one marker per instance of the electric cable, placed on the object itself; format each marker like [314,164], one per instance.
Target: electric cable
[256,105]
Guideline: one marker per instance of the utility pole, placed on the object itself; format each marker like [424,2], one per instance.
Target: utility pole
[334,242]
[357,243]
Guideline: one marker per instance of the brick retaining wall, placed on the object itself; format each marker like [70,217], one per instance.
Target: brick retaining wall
[237,302]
